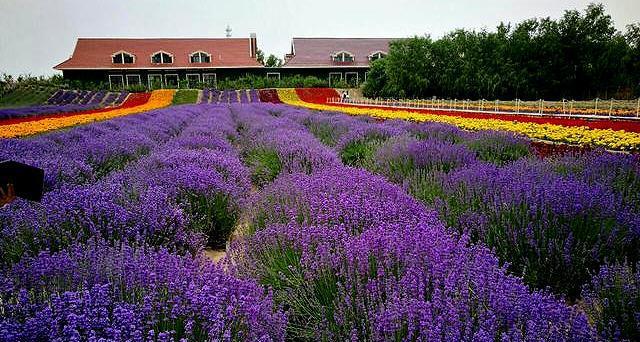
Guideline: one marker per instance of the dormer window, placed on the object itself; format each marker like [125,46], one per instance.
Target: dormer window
[122,57]
[342,56]
[200,57]
[377,55]
[161,57]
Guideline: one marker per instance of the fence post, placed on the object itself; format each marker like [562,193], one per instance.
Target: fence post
[563,106]
[610,107]
[570,107]
[638,108]
[540,106]
[596,109]
[517,106]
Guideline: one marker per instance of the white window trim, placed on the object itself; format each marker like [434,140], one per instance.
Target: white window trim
[202,52]
[351,73]
[215,78]
[123,52]
[188,82]
[177,80]
[334,73]
[121,80]
[379,52]
[366,74]
[343,52]
[273,74]
[137,75]
[173,58]
[149,80]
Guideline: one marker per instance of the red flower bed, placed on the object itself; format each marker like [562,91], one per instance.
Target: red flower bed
[269,95]
[616,125]
[133,100]
[544,150]
[316,95]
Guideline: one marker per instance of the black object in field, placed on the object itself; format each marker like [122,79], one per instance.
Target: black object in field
[27,180]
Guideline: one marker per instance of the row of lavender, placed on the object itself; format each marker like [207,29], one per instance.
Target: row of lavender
[349,254]
[354,258]
[117,256]
[63,97]
[570,223]
[67,101]
[229,96]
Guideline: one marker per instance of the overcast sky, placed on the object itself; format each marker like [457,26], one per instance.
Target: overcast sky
[37,34]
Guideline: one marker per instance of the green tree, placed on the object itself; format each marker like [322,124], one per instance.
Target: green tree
[273,61]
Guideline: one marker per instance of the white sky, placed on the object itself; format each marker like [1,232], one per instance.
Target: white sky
[37,34]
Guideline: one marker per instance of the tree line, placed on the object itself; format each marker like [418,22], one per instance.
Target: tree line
[579,56]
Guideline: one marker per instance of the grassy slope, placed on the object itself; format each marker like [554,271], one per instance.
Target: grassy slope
[185,96]
[26,96]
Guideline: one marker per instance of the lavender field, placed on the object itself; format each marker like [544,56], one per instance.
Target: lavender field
[334,228]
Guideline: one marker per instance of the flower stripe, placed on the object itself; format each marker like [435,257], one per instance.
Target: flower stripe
[578,135]
[158,99]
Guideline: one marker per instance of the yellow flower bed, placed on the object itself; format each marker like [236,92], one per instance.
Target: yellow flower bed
[579,135]
[158,99]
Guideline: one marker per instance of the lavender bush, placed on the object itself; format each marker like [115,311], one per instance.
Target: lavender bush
[97,291]
[612,301]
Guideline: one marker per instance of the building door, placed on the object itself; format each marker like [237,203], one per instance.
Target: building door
[352,79]
[155,81]
[171,81]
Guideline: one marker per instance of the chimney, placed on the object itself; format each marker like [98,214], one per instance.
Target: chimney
[253,45]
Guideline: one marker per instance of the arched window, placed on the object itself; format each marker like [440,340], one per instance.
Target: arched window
[162,57]
[377,55]
[200,57]
[122,57]
[343,56]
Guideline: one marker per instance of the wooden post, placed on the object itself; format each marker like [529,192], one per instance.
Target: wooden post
[596,108]
[563,106]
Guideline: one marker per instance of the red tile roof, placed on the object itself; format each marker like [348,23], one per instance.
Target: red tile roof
[95,53]
[316,52]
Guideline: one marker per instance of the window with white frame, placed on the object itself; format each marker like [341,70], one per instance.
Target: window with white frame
[200,57]
[351,78]
[193,80]
[343,56]
[209,79]
[334,77]
[133,80]
[171,80]
[377,55]
[273,75]
[122,57]
[161,57]
[116,82]
[155,81]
